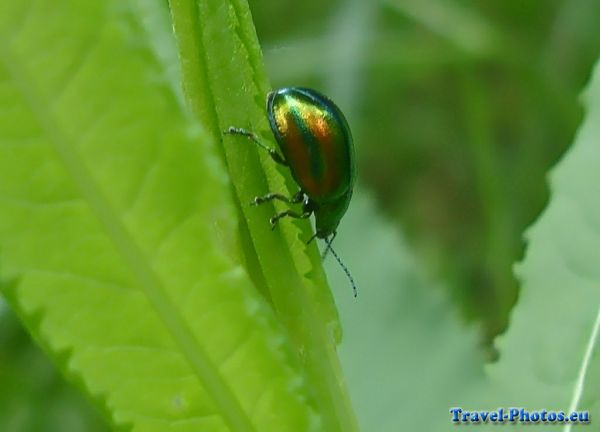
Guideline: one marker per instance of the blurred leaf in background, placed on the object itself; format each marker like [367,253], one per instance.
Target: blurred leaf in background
[458,109]
[549,356]
[406,353]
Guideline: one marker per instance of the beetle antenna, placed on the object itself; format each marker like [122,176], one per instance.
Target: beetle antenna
[337,258]
[326,251]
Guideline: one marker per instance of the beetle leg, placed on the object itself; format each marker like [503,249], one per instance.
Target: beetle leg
[297,198]
[252,137]
[312,237]
[288,213]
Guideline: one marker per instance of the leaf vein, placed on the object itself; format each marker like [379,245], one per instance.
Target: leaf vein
[149,282]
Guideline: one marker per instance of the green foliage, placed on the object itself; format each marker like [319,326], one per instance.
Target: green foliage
[290,269]
[406,354]
[549,356]
[129,251]
[118,232]
[459,108]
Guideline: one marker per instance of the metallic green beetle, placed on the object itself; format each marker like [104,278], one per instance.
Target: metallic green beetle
[316,144]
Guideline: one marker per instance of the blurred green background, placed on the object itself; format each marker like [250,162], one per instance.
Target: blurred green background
[458,109]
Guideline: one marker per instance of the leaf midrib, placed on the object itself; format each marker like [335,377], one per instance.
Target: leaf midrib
[147,280]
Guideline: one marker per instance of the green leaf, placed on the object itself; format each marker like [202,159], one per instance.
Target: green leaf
[549,357]
[226,85]
[118,245]
[407,356]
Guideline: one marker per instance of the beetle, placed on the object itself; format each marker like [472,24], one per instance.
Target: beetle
[316,145]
